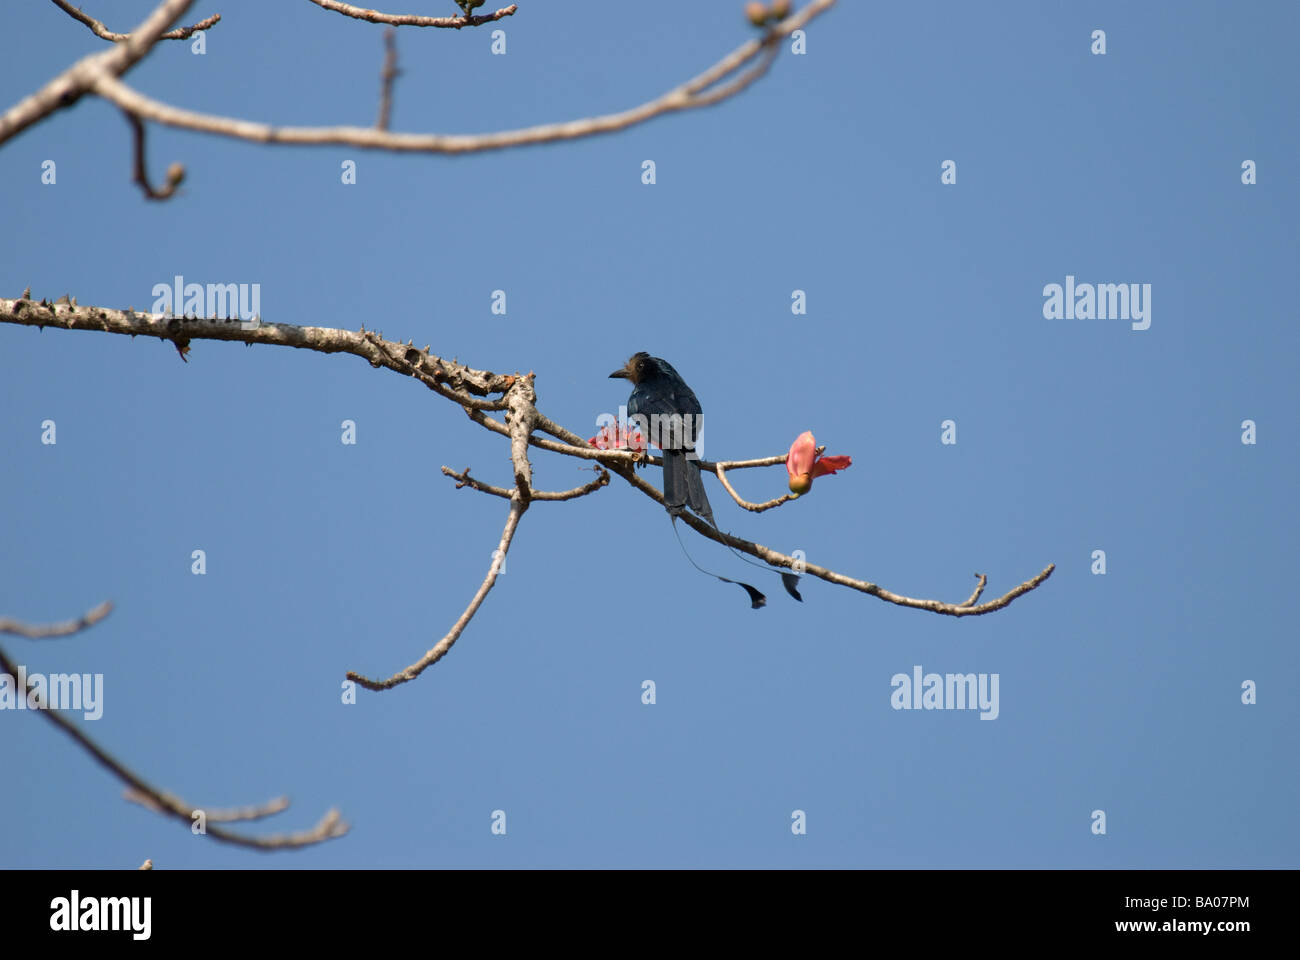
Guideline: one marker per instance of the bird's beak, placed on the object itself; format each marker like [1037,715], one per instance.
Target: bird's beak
[619,374]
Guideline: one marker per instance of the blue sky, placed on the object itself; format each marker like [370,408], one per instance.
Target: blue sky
[1119,692]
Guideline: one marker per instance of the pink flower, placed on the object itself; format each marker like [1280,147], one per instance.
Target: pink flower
[804,466]
[611,438]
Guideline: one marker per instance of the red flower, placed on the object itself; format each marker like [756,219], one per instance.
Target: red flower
[804,466]
[611,438]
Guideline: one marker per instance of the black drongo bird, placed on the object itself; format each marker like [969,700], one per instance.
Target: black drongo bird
[673,418]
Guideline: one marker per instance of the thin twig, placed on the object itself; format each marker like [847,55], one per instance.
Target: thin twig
[465,480]
[328,828]
[252,812]
[65,629]
[720,470]
[413,20]
[979,589]
[387,75]
[743,464]
[688,96]
[175,173]
[522,400]
[435,653]
[778,559]
[75,82]
[101,31]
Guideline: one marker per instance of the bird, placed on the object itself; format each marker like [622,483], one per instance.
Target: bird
[673,418]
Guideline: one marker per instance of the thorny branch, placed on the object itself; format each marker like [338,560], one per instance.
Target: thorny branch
[480,392]
[139,791]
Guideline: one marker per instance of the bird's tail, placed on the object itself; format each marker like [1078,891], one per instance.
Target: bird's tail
[683,485]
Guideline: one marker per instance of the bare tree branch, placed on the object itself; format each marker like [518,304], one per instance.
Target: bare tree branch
[64,629]
[101,77]
[99,73]
[522,411]
[413,20]
[721,470]
[232,815]
[387,75]
[453,380]
[622,465]
[521,414]
[979,588]
[98,28]
[778,559]
[175,173]
[523,421]
[328,828]
[72,84]
[771,461]
[435,653]
[465,480]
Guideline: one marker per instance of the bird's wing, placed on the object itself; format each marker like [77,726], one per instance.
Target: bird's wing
[673,415]
[663,399]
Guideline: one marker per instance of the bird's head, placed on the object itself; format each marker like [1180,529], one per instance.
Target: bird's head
[640,366]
